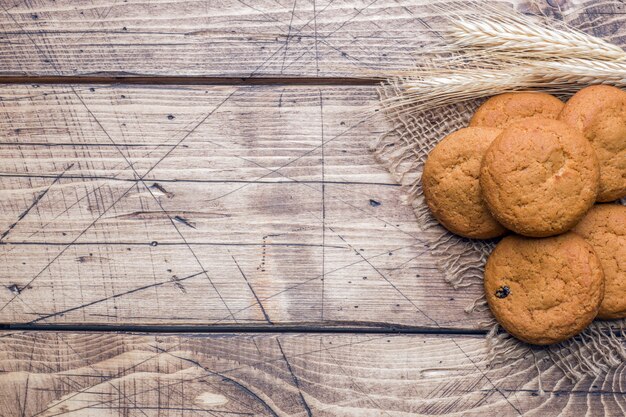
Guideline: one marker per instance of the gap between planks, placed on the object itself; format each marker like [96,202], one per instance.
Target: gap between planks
[330,328]
[124,78]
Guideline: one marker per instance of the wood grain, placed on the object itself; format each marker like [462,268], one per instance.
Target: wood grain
[256,205]
[49,374]
[237,38]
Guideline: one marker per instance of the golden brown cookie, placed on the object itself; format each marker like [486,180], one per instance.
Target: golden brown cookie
[504,109]
[599,112]
[544,291]
[604,227]
[539,177]
[451,186]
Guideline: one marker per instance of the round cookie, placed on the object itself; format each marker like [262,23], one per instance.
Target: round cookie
[604,227]
[501,110]
[599,112]
[539,177]
[544,291]
[451,186]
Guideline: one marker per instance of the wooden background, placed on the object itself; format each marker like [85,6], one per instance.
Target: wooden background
[191,222]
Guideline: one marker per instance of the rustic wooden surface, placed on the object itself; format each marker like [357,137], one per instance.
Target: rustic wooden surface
[51,374]
[275,195]
[203,166]
[237,38]
[234,38]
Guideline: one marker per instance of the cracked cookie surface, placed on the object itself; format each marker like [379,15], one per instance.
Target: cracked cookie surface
[599,112]
[501,110]
[604,227]
[544,291]
[451,186]
[539,177]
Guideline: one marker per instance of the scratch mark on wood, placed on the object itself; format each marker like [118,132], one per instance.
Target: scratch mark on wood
[92,192]
[224,378]
[158,187]
[182,218]
[486,377]
[325,38]
[307,24]
[272,171]
[195,256]
[307,281]
[425,315]
[175,146]
[323,201]
[159,408]
[385,278]
[66,247]
[108,380]
[270,17]
[295,380]
[185,221]
[317,56]
[359,11]
[293,10]
[141,179]
[201,378]
[355,384]
[114,296]
[178,285]
[34,203]
[24,401]
[91,258]
[267,317]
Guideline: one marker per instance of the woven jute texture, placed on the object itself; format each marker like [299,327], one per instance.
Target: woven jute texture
[403,149]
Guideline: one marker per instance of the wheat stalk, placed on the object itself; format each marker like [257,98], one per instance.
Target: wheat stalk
[499,29]
[584,71]
[503,52]
[511,35]
[446,87]
[435,85]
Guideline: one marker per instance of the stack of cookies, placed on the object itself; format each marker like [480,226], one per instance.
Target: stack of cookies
[535,168]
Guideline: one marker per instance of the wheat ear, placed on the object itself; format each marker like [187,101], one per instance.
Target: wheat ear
[499,29]
[444,87]
[436,85]
[510,35]
[583,71]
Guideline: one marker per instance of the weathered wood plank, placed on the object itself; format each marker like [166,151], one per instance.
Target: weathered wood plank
[235,38]
[225,38]
[49,374]
[274,194]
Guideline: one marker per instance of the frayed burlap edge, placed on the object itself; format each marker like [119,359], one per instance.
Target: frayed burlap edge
[403,149]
